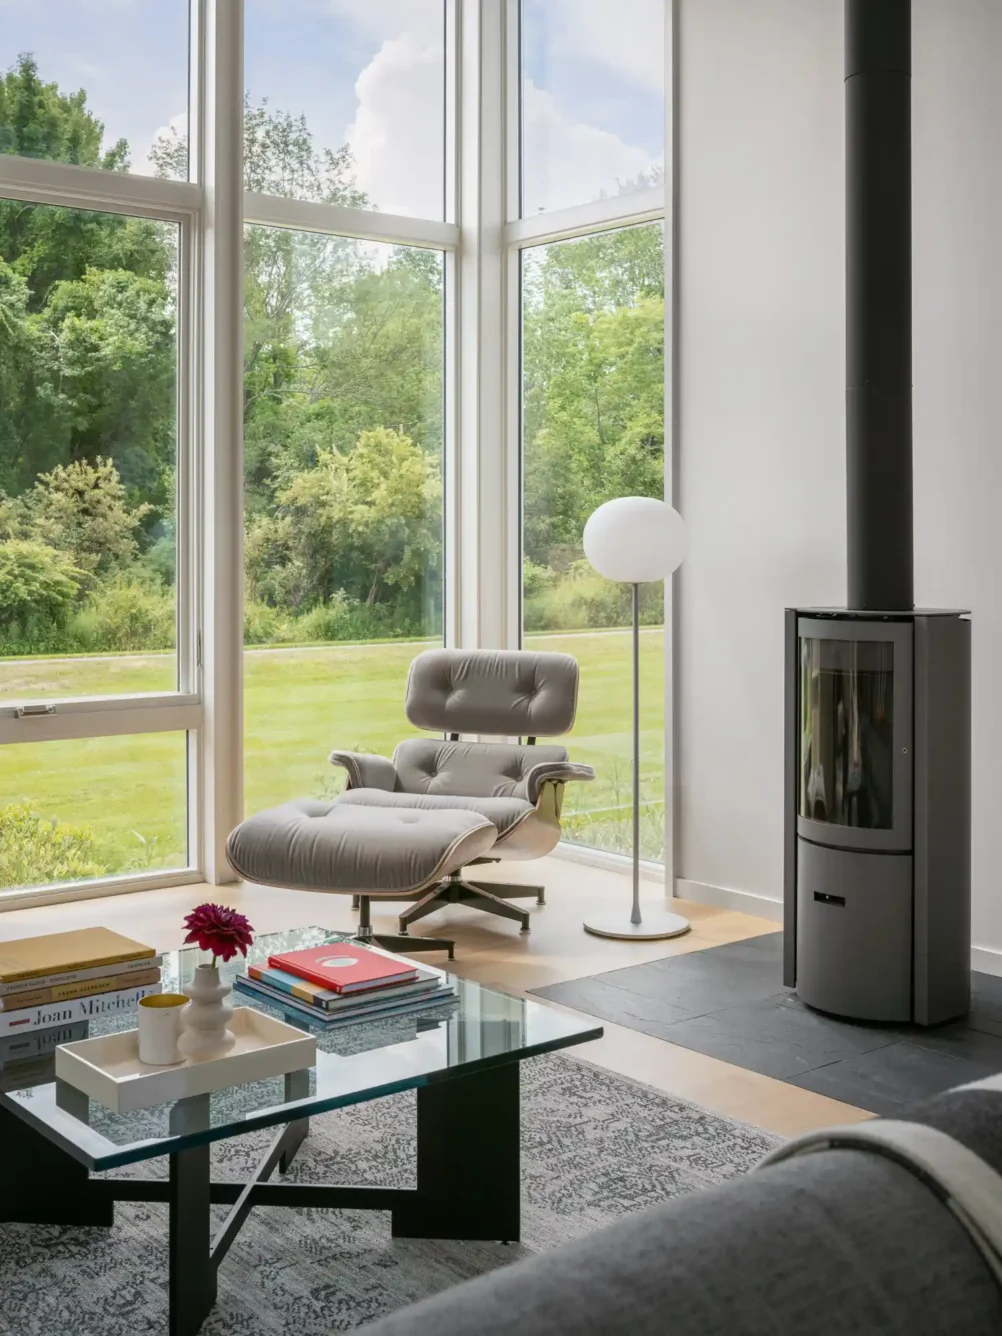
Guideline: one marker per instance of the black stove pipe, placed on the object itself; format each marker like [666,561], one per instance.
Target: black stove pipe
[880,545]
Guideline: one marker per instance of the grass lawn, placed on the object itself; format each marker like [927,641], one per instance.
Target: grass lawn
[299,703]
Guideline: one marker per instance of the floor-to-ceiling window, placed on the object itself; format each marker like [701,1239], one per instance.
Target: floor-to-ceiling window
[96,664]
[344,347]
[450,224]
[590,175]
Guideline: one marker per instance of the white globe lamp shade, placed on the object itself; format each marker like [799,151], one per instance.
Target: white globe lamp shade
[635,539]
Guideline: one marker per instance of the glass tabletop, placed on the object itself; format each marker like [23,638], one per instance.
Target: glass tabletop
[356,1062]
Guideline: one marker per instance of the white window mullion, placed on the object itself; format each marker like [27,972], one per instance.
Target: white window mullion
[512,297]
[44,182]
[580,220]
[483,402]
[220,153]
[671,433]
[337,220]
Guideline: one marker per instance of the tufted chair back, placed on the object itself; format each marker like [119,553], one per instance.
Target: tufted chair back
[500,692]
[508,692]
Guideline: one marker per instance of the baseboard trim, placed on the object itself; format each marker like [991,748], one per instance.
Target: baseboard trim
[722,897]
[582,853]
[987,959]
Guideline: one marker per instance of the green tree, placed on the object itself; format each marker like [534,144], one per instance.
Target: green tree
[111,348]
[38,121]
[56,340]
[593,383]
[367,523]
[80,509]
[36,582]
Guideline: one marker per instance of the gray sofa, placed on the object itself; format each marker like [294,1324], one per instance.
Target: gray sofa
[836,1242]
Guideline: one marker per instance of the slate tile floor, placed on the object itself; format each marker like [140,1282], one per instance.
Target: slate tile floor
[729,1002]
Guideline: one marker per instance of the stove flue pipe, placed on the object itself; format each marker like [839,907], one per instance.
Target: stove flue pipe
[879,531]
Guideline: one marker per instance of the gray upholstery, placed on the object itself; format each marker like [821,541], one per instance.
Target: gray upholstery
[838,1243]
[320,846]
[403,825]
[366,771]
[508,693]
[471,769]
[503,813]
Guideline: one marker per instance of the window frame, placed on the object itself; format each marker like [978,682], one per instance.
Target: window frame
[588,219]
[481,238]
[180,203]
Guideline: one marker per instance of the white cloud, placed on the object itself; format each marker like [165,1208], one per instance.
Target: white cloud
[178,122]
[568,162]
[397,132]
[626,35]
[396,135]
[419,19]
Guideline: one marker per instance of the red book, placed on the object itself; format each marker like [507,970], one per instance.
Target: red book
[345,968]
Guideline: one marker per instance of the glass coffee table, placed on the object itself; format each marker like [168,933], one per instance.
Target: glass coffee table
[461,1058]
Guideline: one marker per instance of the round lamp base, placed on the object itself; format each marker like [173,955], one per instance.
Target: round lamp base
[658,923]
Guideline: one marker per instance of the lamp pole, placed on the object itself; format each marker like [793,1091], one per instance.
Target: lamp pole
[635,539]
[635,915]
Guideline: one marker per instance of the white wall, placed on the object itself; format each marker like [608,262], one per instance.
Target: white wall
[761,395]
[957,296]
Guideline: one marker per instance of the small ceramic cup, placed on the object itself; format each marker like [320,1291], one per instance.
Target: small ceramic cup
[159,1028]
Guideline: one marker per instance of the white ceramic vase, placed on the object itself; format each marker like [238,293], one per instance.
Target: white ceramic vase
[205,1017]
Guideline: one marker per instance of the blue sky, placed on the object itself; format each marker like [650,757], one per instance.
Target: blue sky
[370,72]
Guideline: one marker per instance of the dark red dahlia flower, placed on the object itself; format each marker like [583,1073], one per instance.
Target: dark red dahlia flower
[222,931]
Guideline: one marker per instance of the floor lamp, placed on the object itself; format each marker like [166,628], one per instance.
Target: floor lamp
[636,540]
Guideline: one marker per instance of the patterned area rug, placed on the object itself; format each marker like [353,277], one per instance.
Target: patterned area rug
[595,1147]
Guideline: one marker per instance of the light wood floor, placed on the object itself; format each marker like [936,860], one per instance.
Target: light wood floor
[493,951]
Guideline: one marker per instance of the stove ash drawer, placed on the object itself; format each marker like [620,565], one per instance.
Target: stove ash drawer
[854,932]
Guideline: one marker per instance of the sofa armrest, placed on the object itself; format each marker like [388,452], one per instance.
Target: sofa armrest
[559,771]
[366,771]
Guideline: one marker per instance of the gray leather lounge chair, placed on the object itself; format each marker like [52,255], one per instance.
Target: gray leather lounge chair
[408,827]
[518,786]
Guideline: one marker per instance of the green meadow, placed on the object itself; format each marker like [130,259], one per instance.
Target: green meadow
[130,792]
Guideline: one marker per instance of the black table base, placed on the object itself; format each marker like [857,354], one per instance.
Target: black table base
[468,1181]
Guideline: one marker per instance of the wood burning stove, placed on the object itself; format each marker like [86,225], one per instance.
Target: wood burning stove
[877,855]
[877,894]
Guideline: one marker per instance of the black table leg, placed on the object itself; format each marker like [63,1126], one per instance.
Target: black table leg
[42,1185]
[192,1283]
[467,1161]
[297,1086]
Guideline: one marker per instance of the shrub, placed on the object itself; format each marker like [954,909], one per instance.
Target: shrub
[37,584]
[125,614]
[34,851]
[264,625]
[535,578]
[583,598]
[330,621]
[82,508]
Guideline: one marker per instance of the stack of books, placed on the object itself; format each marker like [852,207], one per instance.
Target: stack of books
[68,978]
[344,982]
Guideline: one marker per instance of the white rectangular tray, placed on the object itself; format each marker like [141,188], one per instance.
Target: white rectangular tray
[108,1068]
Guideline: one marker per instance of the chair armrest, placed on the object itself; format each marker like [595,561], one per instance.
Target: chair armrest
[366,771]
[559,771]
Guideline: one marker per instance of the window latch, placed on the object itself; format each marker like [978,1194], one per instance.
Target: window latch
[30,711]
